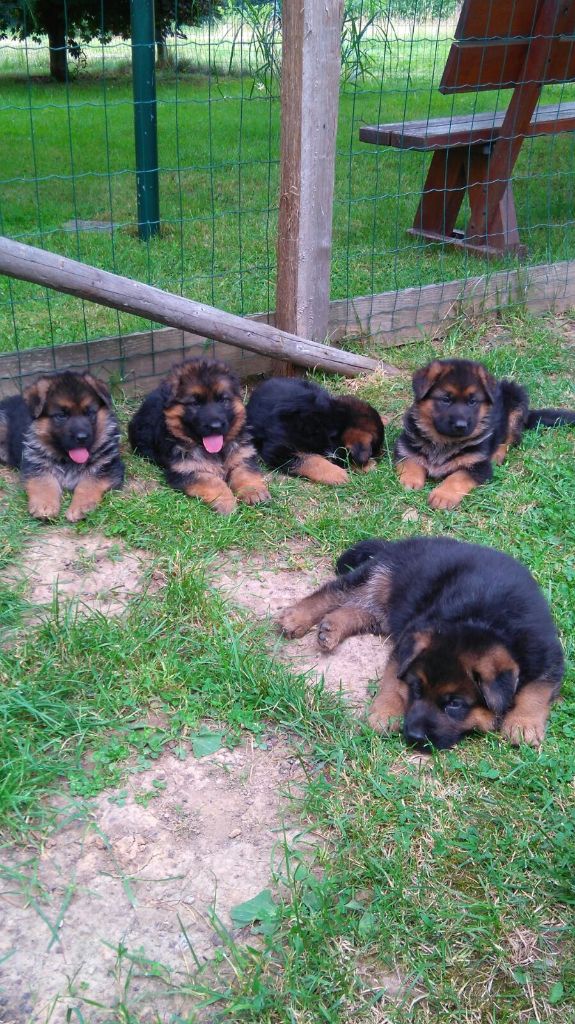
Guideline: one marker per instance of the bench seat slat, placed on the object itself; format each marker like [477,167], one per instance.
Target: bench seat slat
[462,130]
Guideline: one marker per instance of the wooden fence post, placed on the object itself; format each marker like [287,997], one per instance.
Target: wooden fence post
[311,64]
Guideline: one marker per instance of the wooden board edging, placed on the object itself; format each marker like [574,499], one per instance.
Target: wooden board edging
[142,358]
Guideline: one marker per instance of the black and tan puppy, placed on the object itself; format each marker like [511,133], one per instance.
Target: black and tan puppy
[62,435]
[474,644]
[194,426]
[304,430]
[461,422]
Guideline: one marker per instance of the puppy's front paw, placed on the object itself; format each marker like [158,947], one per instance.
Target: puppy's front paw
[79,510]
[411,476]
[385,723]
[293,622]
[44,509]
[254,495]
[445,497]
[225,504]
[518,728]
[328,635]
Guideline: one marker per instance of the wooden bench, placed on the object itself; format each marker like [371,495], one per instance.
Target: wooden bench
[521,46]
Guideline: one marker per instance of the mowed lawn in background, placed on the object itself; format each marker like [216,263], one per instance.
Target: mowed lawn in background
[459,875]
[68,152]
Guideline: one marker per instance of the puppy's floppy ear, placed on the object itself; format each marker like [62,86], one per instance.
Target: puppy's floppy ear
[35,396]
[410,646]
[100,388]
[496,676]
[424,379]
[488,382]
[168,391]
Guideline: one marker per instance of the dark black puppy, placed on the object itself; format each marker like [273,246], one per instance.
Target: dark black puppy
[194,426]
[462,421]
[62,435]
[474,644]
[300,428]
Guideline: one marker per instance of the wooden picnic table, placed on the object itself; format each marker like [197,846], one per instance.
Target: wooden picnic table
[522,45]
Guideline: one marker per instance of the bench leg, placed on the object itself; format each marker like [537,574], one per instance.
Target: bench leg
[442,196]
[452,173]
[492,226]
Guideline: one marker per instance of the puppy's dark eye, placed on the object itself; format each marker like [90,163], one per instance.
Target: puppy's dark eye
[446,400]
[224,398]
[472,400]
[453,705]
[60,416]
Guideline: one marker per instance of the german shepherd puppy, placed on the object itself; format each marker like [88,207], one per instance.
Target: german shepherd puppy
[461,422]
[194,426]
[305,431]
[474,644]
[62,434]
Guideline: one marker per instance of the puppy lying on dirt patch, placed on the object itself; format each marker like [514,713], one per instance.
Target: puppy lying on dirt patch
[474,644]
[194,426]
[462,421]
[62,435]
[302,429]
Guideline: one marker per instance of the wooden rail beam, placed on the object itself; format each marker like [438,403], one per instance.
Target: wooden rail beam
[38,266]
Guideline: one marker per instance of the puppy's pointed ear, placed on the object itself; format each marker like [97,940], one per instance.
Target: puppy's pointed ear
[100,388]
[424,379]
[35,396]
[496,676]
[488,382]
[410,646]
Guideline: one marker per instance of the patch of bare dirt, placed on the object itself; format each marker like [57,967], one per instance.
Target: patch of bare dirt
[142,869]
[100,574]
[265,589]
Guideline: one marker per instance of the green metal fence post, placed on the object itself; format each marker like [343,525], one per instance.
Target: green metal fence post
[145,117]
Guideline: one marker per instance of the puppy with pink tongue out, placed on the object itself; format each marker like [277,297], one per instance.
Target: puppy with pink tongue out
[62,434]
[194,426]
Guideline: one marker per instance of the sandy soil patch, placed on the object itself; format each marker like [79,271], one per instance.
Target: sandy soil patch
[99,574]
[265,589]
[142,864]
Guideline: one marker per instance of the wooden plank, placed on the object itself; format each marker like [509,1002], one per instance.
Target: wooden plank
[138,360]
[310,97]
[389,318]
[28,263]
[464,130]
[489,65]
[413,313]
[484,30]
[477,20]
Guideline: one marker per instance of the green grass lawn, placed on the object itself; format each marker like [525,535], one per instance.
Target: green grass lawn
[68,153]
[441,874]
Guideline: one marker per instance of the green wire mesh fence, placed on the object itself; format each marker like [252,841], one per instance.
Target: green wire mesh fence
[67,167]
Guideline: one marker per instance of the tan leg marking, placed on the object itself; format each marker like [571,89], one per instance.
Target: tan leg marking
[452,490]
[527,720]
[318,469]
[298,620]
[412,476]
[44,495]
[341,623]
[388,707]
[213,491]
[249,485]
[500,454]
[87,496]
[480,719]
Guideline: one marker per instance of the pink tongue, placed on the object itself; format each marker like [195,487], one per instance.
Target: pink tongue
[80,455]
[213,444]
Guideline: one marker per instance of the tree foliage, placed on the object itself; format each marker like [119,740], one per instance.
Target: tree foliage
[71,23]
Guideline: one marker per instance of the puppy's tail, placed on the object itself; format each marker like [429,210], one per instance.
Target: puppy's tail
[359,554]
[549,418]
